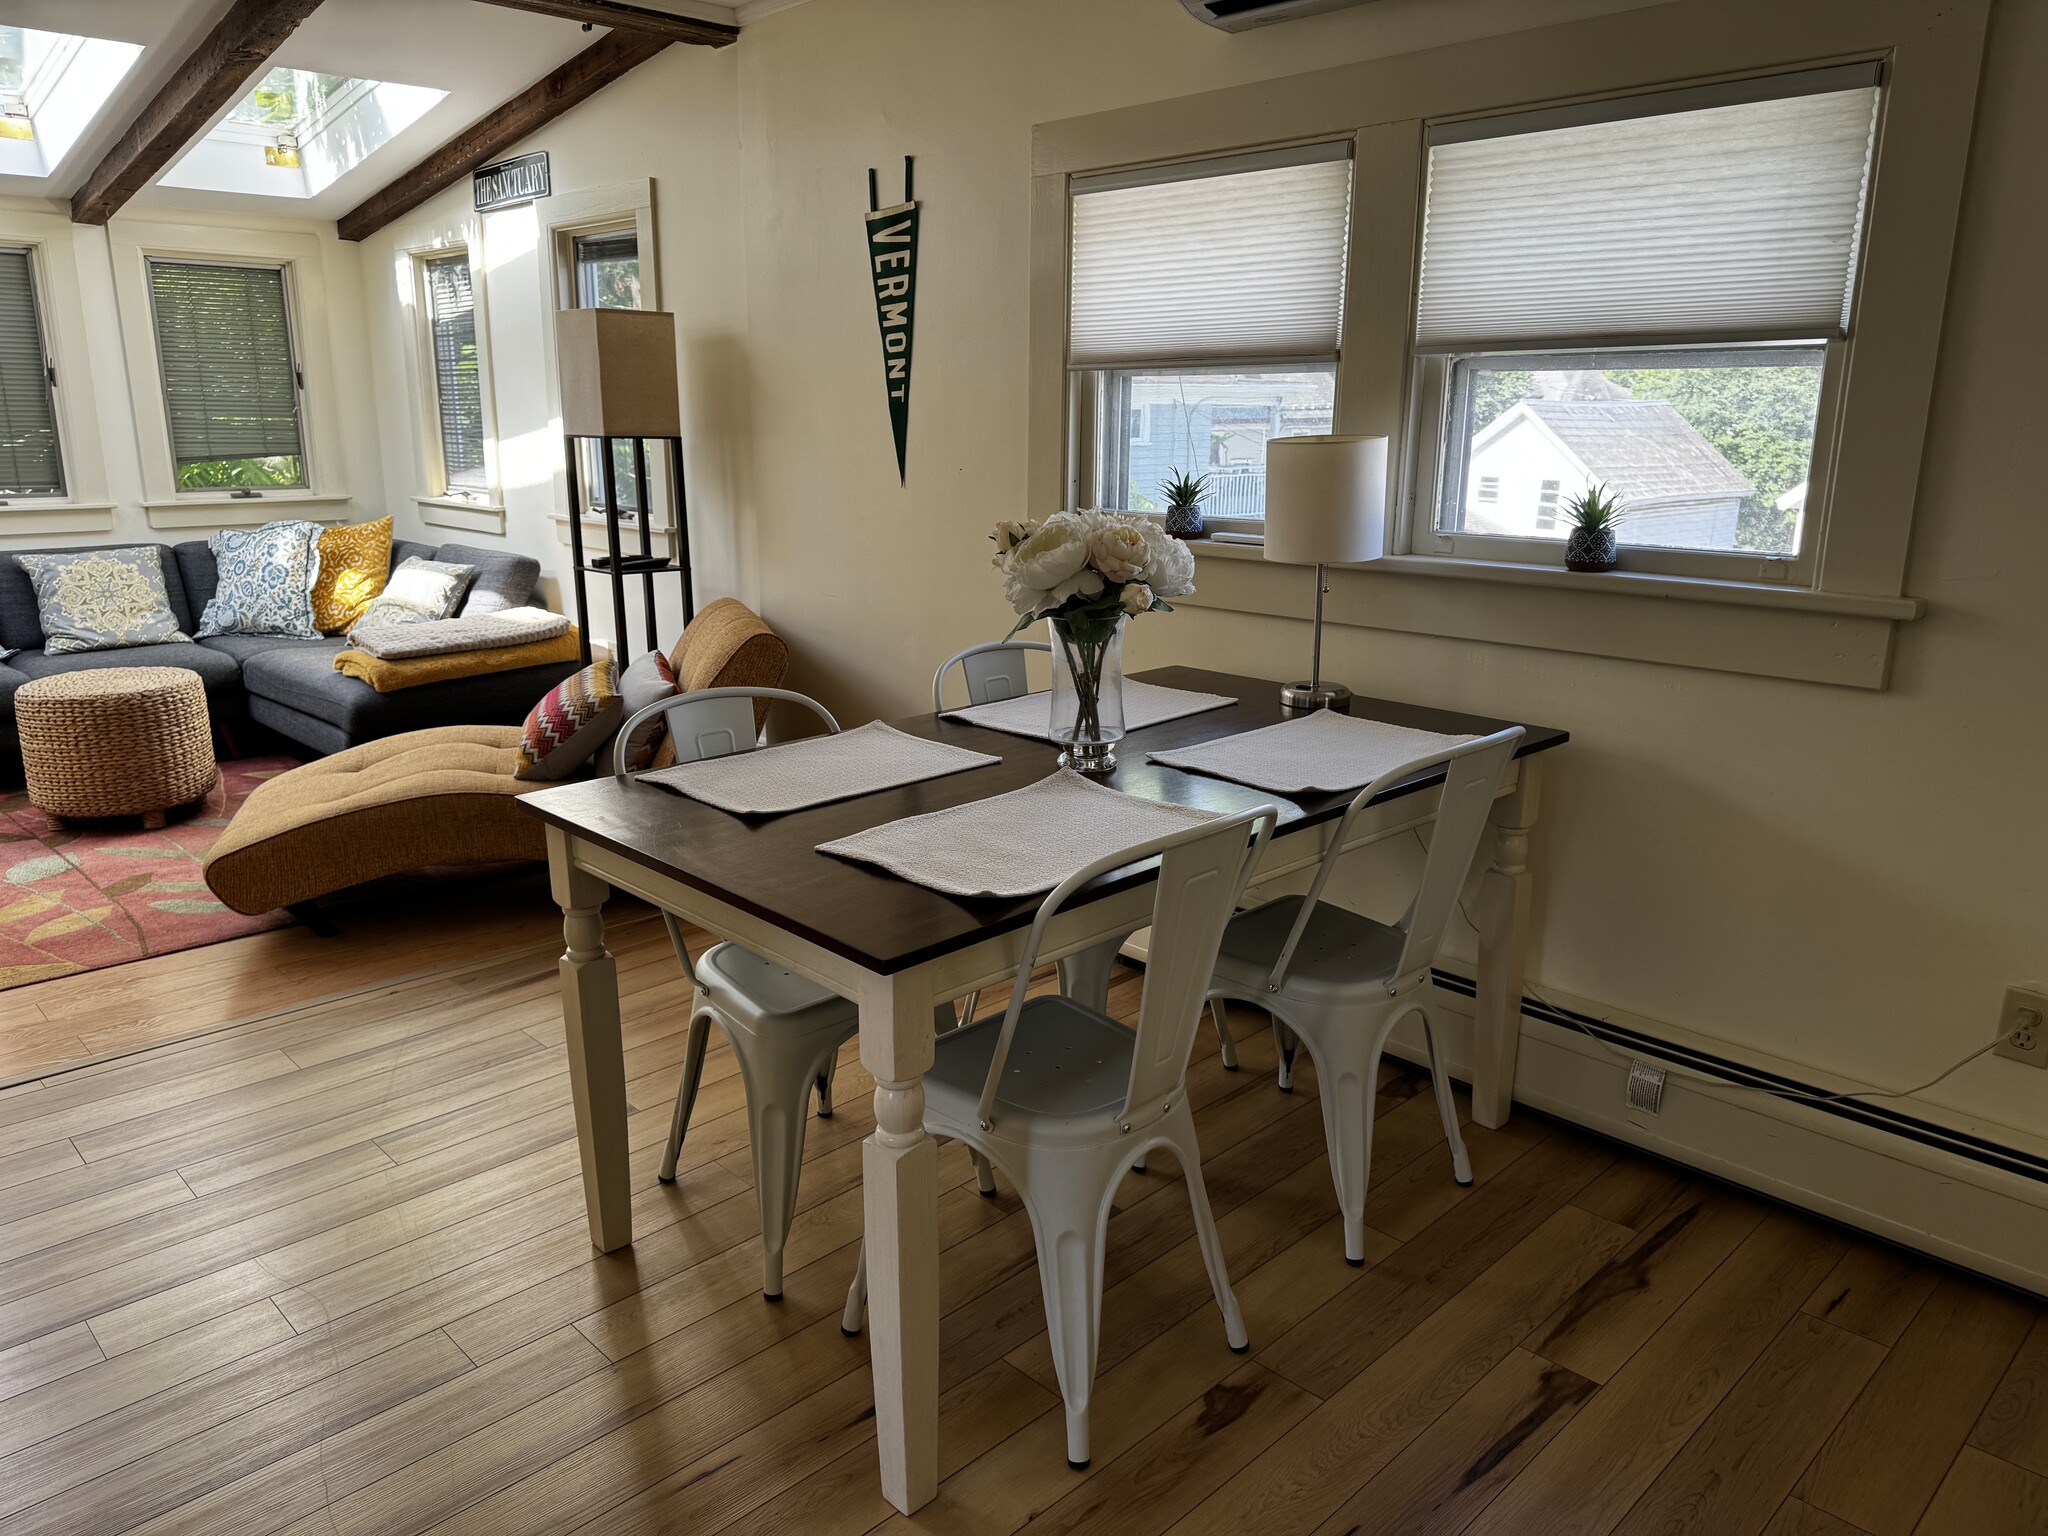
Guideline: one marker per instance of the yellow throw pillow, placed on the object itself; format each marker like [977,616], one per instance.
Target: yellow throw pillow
[354,565]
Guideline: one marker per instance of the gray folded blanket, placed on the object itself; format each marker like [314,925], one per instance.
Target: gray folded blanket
[442,637]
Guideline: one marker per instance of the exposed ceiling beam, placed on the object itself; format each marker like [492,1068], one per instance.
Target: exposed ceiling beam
[208,80]
[583,76]
[613,13]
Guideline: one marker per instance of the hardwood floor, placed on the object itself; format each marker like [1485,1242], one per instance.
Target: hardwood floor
[326,1272]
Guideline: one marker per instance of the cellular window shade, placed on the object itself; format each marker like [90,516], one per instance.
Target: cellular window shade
[1718,223]
[224,344]
[458,393]
[1239,267]
[29,462]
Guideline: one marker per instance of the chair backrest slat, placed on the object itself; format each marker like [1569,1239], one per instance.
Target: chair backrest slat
[994,671]
[1199,883]
[1472,780]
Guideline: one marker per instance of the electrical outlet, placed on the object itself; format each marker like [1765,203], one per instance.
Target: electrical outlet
[2023,1026]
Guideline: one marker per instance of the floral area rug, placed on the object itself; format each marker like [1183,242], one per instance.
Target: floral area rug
[81,898]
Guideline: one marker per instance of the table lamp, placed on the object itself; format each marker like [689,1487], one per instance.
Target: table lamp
[1326,504]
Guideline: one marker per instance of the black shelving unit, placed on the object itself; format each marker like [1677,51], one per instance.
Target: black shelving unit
[616,562]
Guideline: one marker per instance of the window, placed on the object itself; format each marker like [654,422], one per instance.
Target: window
[458,391]
[1649,295]
[606,274]
[1206,317]
[230,377]
[608,270]
[30,463]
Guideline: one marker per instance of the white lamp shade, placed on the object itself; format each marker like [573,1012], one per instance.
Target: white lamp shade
[1326,499]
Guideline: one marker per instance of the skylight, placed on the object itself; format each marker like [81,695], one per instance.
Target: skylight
[52,85]
[298,131]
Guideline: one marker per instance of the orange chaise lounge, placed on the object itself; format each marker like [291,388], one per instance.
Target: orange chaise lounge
[436,797]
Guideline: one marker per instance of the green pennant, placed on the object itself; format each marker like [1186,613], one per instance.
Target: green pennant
[892,267]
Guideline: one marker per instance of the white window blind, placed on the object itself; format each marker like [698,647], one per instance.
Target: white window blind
[1231,261]
[1721,222]
[224,344]
[30,464]
[458,393]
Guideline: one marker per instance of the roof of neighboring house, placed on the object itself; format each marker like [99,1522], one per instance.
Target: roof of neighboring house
[1643,449]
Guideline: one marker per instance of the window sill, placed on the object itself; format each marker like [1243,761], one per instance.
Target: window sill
[1724,626]
[1698,589]
[43,519]
[460,512]
[206,510]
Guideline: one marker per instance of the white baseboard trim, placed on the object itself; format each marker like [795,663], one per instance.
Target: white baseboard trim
[1959,1205]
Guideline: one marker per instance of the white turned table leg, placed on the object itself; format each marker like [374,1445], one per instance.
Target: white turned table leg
[597,1060]
[900,1170]
[1503,951]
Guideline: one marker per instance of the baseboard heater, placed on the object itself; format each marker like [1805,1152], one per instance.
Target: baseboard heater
[1894,1122]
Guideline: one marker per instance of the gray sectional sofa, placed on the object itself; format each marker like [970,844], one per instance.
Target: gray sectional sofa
[289,686]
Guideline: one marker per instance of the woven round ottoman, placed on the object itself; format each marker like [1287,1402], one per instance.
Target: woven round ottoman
[115,741]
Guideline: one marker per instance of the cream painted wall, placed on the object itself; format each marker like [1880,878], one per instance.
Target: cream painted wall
[1842,878]
[673,122]
[100,409]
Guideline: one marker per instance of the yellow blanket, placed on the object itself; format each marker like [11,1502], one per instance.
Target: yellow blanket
[390,676]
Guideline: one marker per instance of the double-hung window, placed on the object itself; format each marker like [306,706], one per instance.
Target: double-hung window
[458,384]
[230,378]
[30,461]
[605,274]
[1654,295]
[1206,315]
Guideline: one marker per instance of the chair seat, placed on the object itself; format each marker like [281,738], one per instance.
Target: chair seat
[753,991]
[1068,1071]
[1339,952]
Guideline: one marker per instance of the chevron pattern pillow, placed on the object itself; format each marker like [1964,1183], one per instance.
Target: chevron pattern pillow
[572,724]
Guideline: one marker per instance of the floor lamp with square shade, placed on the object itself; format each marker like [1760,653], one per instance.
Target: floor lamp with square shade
[619,383]
[1326,504]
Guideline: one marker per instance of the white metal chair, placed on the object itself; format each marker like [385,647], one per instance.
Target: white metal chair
[785,1030]
[993,671]
[1339,982]
[1067,1101]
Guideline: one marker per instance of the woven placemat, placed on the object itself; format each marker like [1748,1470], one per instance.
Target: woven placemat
[1017,844]
[816,770]
[1030,714]
[1324,752]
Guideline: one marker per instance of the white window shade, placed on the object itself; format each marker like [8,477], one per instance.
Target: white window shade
[1724,222]
[1214,266]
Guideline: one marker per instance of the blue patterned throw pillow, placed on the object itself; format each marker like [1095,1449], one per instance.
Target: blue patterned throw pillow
[266,581]
[101,599]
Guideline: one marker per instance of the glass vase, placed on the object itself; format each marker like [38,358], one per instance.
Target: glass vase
[1087,691]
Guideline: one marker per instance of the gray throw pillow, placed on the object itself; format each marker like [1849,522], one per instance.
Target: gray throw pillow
[645,682]
[102,599]
[418,590]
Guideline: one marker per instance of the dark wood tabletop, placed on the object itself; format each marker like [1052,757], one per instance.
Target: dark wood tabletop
[769,865]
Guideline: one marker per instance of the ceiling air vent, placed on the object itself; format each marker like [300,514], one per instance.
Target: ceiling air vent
[1242,15]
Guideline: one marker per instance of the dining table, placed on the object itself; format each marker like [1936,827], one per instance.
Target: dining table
[901,951]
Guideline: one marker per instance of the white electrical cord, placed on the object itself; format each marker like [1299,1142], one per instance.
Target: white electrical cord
[1630,1058]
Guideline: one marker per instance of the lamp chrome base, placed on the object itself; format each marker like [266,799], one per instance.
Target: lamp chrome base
[1301,698]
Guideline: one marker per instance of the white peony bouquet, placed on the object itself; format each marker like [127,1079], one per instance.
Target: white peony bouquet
[1088,569]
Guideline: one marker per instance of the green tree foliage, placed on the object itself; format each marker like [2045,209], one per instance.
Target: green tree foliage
[255,474]
[1762,421]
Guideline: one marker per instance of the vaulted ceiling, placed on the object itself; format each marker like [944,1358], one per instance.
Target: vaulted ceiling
[483,55]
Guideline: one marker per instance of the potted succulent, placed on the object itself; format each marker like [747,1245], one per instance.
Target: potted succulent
[1591,545]
[1183,493]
